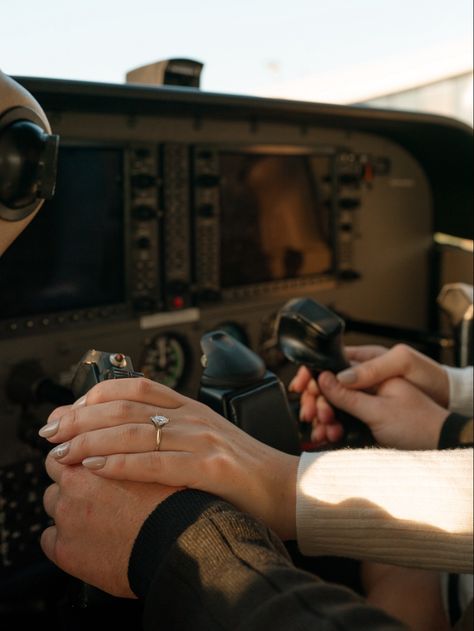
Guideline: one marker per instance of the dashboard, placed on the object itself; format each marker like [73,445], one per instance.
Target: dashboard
[179,212]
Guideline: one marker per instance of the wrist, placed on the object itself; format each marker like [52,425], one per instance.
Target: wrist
[281,474]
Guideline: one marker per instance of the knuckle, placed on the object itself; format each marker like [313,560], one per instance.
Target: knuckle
[403,354]
[131,433]
[152,462]
[142,387]
[122,409]
[218,463]
[210,437]
[63,508]
[61,554]
[97,393]
[117,464]
[80,443]
[69,478]
[200,422]
[71,418]
[49,498]
[369,372]
[345,396]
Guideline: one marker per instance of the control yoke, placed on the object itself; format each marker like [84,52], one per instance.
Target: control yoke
[310,334]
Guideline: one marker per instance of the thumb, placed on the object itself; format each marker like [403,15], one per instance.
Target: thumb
[370,373]
[363,406]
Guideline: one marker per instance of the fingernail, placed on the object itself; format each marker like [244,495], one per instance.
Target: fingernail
[95,462]
[49,429]
[313,387]
[291,385]
[79,402]
[60,451]
[347,376]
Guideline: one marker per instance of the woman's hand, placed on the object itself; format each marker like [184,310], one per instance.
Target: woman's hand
[371,366]
[398,414]
[110,432]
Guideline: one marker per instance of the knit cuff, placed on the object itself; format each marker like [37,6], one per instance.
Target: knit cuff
[160,531]
[460,389]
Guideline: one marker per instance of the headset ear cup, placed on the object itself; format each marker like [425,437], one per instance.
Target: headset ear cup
[27,165]
[28,152]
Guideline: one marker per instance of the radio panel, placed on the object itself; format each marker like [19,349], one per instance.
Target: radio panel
[206,215]
[169,226]
[177,227]
[144,228]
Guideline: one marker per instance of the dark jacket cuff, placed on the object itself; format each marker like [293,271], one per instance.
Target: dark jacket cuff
[169,519]
[453,432]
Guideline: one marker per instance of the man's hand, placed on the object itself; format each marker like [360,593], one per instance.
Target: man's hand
[96,524]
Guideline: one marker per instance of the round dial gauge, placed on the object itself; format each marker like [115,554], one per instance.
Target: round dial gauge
[164,360]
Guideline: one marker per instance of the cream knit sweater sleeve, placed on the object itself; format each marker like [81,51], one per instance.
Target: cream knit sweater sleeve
[411,508]
[460,389]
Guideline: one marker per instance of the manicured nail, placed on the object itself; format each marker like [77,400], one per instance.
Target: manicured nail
[347,376]
[49,429]
[79,402]
[95,462]
[60,451]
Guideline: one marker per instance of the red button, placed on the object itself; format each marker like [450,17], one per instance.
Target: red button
[178,302]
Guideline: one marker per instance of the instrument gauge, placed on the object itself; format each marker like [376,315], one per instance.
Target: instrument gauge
[164,360]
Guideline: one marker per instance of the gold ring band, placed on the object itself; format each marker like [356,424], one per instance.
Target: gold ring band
[159,421]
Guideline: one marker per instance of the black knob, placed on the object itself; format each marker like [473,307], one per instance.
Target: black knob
[28,158]
[311,334]
[228,362]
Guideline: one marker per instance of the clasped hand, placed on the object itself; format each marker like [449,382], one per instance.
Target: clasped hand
[399,393]
[108,475]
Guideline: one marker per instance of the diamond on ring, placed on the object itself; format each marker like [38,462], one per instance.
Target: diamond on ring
[159,421]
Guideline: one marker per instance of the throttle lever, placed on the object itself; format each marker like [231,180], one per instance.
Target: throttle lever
[312,335]
[88,603]
[96,366]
